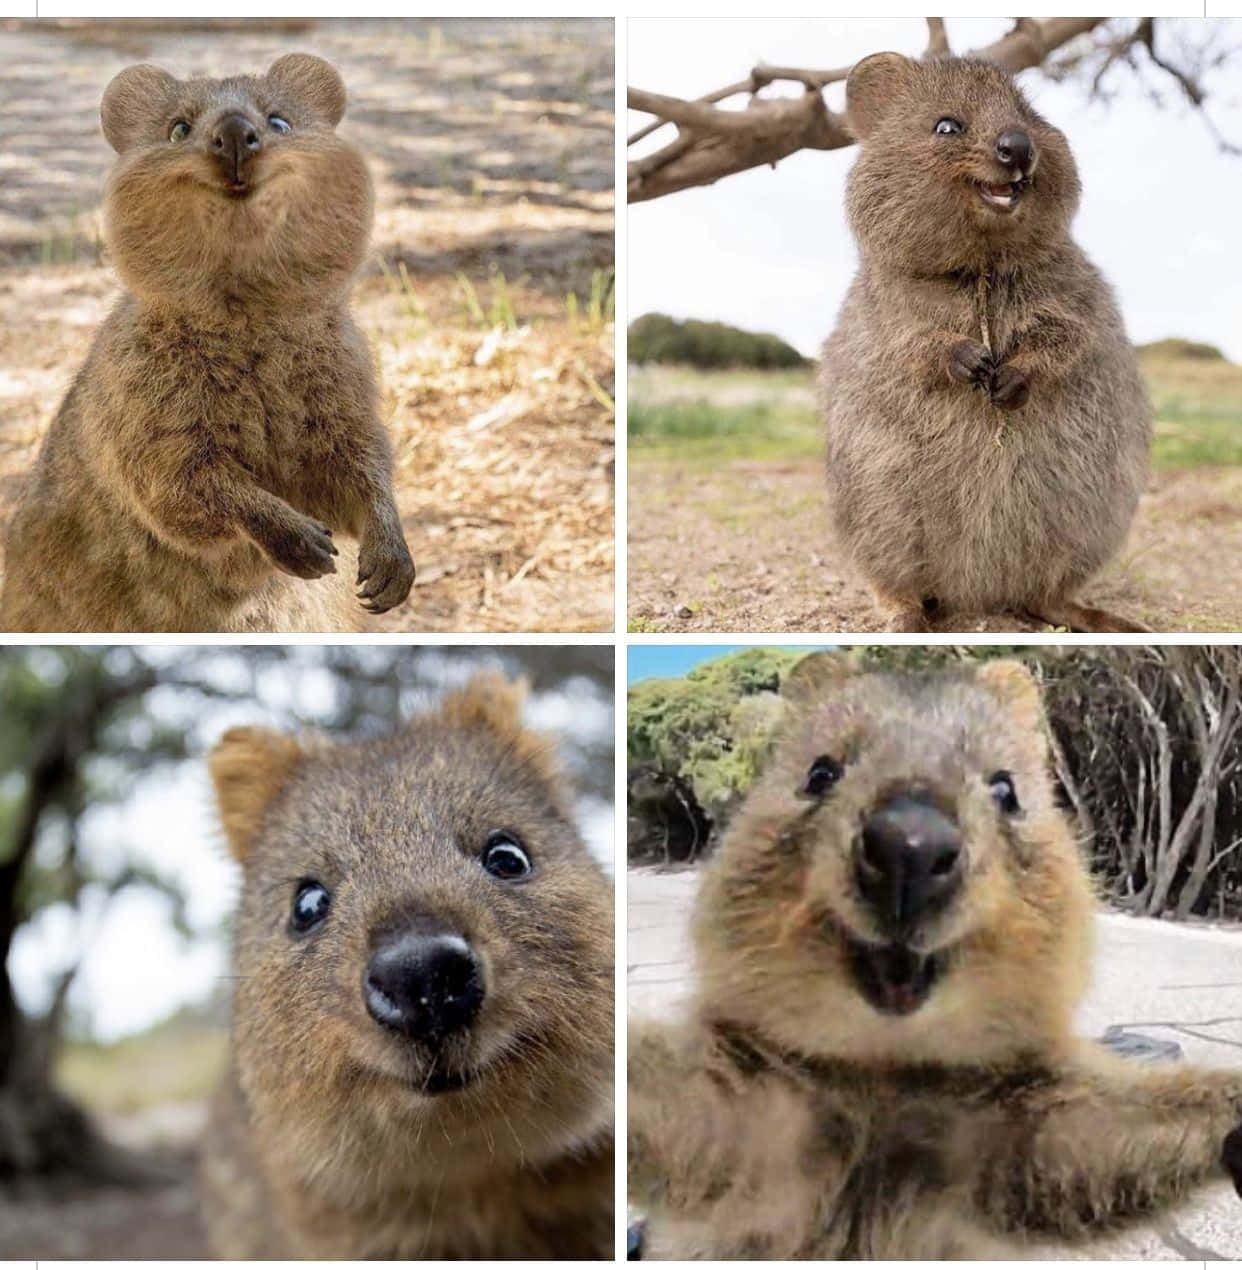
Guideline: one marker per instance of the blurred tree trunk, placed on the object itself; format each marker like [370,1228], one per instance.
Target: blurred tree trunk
[41,1130]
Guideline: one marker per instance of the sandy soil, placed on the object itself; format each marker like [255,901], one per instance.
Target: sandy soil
[491,143]
[745,546]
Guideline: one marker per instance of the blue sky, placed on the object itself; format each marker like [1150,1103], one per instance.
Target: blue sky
[670,661]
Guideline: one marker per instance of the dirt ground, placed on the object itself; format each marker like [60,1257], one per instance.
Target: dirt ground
[487,296]
[745,546]
[110,1223]
[55,1220]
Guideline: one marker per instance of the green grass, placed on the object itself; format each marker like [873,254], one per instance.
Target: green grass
[676,413]
[697,429]
[1198,408]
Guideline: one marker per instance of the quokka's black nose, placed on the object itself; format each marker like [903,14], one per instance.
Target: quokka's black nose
[1016,150]
[235,140]
[424,986]
[909,861]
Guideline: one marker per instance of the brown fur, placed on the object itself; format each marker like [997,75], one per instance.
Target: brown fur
[963,480]
[788,1117]
[224,425]
[322,1143]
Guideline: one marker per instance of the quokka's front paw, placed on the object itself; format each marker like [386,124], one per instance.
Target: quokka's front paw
[1009,389]
[298,545]
[1231,1157]
[970,363]
[385,570]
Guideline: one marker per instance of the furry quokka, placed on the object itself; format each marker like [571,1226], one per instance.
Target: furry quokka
[224,426]
[422,1044]
[988,427]
[879,1060]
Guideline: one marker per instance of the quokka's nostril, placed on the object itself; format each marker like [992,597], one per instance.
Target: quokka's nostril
[945,862]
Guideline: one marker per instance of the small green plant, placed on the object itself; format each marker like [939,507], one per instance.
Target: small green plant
[600,304]
[59,245]
[470,298]
[401,283]
[501,312]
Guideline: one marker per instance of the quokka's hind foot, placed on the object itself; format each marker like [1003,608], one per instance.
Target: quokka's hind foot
[1083,619]
[906,615]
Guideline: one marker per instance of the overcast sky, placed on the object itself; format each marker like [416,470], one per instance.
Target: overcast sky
[769,249]
[138,969]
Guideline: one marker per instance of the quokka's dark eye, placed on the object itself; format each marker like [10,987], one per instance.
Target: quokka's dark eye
[504,857]
[311,902]
[948,127]
[179,131]
[279,123]
[821,776]
[1005,792]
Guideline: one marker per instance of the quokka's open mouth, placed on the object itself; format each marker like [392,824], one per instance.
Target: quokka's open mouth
[893,978]
[439,1081]
[1005,196]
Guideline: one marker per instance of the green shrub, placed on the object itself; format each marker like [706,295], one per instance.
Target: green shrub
[655,337]
[1182,348]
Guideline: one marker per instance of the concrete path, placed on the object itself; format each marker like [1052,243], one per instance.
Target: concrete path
[1172,982]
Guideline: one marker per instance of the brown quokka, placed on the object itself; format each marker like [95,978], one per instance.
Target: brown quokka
[879,1062]
[988,428]
[224,426]
[422,1043]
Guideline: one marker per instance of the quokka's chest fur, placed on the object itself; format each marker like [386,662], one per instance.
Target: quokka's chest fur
[279,398]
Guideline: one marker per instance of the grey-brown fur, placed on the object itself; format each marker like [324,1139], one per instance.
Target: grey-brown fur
[323,1141]
[224,425]
[982,483]
[787,1116]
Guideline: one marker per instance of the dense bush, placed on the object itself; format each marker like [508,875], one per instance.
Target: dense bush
[655,337]
[1182,348]
[709,731]
[1147,747]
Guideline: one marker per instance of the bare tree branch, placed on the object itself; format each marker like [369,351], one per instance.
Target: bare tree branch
[714,142]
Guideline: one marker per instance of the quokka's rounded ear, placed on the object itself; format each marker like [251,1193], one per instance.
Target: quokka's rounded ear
[491,703]
[870,89]
[249,767]
[130,102]
[1016,688]
[816,674]
[311,80]
[488,700]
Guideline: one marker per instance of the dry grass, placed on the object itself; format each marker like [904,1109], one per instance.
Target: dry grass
[505,457]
